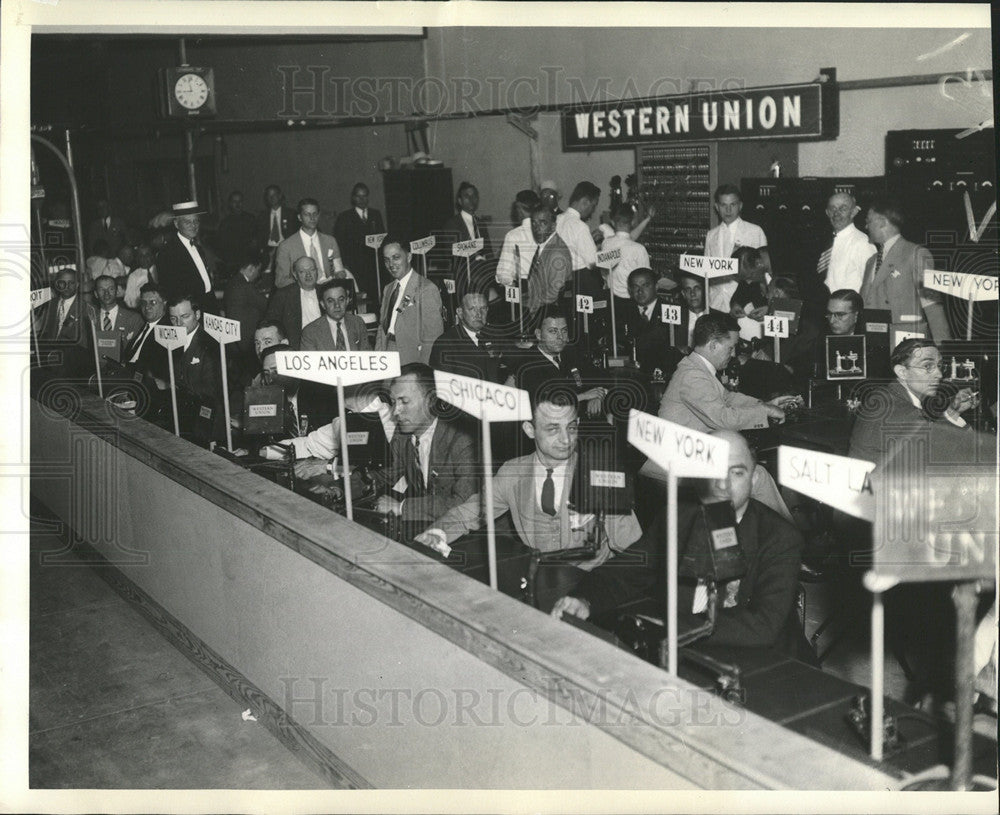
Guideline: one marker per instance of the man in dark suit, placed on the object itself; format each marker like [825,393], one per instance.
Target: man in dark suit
[338,329]
[910,406]
[756,610]
[196,363]
[296,306]
[465,226]
[464,348]
[244,301]
[181,266]
[645,327]
[350,229]
[553,359]
[144,353]
[437,458]
[894,275]
[111,317]
[107,227]
[236,234]
[63,333]
[277,221]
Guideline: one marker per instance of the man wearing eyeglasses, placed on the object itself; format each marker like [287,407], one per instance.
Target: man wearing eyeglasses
[909,405]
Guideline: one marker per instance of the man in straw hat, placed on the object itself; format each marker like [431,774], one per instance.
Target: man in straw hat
[181,264]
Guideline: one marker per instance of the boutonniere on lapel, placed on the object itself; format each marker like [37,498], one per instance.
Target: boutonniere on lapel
[195,360]
[406,303]
[894,273]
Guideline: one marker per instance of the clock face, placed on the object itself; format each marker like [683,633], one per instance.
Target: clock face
[191,91]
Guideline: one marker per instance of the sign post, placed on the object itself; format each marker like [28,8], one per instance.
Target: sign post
[466,249]
[608,260]
[681,452]
[171,337]
[225,331]
[709,267]
[671,315]
[776,327]
[488,402]
[38,298]
[513,295]
[375,242]
[340,368]
[97,358]
[585,305]
[422,247]
[972,287]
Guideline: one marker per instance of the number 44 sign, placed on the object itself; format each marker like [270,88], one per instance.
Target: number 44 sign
[775,326]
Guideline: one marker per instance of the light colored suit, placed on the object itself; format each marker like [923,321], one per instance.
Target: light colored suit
[898,286]
[514,491]
[291,249]
[418,323]
[696,399]
[318,335]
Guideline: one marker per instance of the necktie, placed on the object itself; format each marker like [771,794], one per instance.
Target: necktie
[415,475]
[878,256]
[275,231]
[536,262]
[390,304]
[549,493]
[60,314]
[136,347]
[314,254]
[338,341]
[106,325]
[475,227]
[823,266]
[364,216]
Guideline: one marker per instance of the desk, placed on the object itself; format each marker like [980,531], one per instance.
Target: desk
[815,704]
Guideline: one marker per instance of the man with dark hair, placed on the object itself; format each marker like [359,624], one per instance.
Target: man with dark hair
[842,264]
[337,329]
[111,316]
[572,225]
[554,360]
[843,310]
[692,290]
[277,221]
[243,301]
[894,275]
[756,610]
[436,456]
[730,234]
[696,399]
[550,267]
[308,242]
[463,225]
[536,490]
[909,405]
[196,363]
[549,194]
[633,256]
[410,318]
[519,243]
[350,229]
[144,353]
[645,327]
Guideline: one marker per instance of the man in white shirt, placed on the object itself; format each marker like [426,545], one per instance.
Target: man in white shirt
[308,242]
[727,236]
[633,256]
[842,264]
[572,227]
[296,306]
[518,244]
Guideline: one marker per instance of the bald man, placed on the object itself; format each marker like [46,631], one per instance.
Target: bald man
[297,306]
[842,263]
[754,611]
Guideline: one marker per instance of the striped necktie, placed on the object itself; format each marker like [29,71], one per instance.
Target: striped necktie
[338,341]
[106,325]
[878,256]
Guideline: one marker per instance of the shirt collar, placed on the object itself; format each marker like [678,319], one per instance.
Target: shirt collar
[571,212]
[471,333]
[888,244]
[405,279]
[548,356]
[843,232]
[706,363]
[913,397]
[732,227]
[559,470]
[360,211]
[621,233]
[110,311]
[306,236]
[425,438]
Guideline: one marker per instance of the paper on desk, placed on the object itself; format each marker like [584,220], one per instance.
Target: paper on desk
[248,716]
